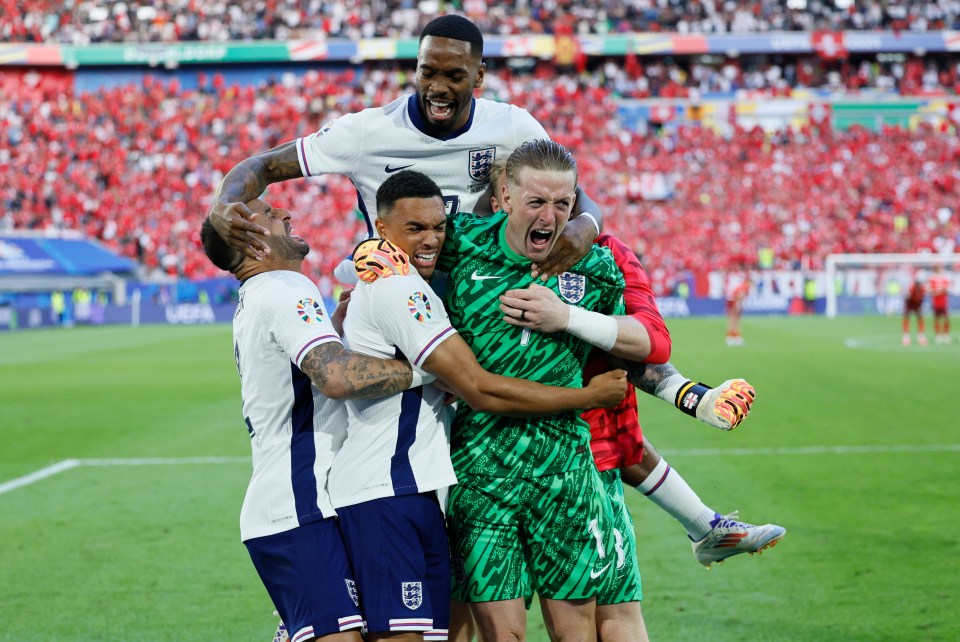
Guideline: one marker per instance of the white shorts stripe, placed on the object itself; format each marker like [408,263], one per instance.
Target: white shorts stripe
[411,624]
[303,634]
[436,635]
[350,622]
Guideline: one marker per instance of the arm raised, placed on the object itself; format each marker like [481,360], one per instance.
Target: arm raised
[246,181]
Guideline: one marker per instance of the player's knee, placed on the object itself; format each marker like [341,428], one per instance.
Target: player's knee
[503,634]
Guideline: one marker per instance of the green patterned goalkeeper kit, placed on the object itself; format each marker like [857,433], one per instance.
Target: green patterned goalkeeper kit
[530,512]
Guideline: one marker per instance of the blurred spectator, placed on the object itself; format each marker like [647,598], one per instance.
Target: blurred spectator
[86,21]
[124,165]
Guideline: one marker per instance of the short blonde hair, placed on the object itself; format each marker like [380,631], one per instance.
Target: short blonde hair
[543,154]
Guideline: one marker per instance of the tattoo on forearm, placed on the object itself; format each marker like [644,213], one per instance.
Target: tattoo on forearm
[361,376]
[251,176]
[648,377]
[244,182]
[282,166]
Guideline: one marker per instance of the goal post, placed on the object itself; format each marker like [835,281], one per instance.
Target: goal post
[834,262]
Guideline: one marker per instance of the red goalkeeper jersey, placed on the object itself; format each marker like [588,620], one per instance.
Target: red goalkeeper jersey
[616,436]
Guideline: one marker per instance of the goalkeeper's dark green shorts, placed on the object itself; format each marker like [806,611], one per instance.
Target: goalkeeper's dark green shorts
[626,586]
[553,535]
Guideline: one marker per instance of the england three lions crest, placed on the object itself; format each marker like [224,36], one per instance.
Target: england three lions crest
[480,162]
[572,287]
[412,593]
[352,591]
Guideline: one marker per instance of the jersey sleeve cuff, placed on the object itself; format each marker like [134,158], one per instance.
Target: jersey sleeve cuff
[302,156]
[432,344]
[316,341]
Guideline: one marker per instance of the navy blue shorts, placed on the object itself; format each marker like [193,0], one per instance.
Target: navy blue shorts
[398,550]
[306,572]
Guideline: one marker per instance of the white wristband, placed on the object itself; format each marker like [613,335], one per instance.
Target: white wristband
[594,328]
[592,218]
[420,377]
[668,388]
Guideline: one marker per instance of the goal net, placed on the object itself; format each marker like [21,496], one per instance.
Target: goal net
[881,277]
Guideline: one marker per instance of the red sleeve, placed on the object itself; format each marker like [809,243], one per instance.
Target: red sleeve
[639,300]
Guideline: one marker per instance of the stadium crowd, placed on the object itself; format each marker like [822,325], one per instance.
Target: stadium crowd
[687,77]
[84,21]
[135,166]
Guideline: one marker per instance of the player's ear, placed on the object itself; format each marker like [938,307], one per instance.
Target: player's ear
[481,70]
[380,227]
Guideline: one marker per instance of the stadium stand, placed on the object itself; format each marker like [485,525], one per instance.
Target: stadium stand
[135,167]
[85,22]
[133,163]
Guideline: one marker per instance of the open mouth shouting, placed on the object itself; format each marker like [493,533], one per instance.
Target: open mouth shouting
[439,110]
[539,242]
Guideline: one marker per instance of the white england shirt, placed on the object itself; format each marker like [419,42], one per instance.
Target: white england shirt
[370,145]
[294,430]
[398,445]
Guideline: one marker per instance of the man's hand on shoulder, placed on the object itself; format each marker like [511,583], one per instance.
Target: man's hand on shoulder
[232,223]
[574,243]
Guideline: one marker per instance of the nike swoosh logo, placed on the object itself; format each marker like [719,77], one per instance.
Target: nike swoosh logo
[391,170]
[478,277]
[595,574]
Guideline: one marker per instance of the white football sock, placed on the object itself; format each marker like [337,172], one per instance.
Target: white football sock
[668,490]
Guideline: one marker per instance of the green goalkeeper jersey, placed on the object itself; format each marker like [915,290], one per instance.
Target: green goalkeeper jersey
[482,267]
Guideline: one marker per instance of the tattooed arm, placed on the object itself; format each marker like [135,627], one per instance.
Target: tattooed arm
[246,181]
[724,407]
[649,377]
[341,374]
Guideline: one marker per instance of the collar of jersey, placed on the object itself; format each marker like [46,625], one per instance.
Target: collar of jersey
[513,256]
[413,108]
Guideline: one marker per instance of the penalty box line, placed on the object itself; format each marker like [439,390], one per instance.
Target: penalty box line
[69,464]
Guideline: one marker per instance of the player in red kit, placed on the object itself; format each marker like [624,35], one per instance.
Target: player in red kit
[912,305]
[738,287]
[939,285]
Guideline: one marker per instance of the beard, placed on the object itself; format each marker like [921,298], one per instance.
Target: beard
[290,249]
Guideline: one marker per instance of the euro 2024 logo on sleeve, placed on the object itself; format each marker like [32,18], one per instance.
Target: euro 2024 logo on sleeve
[412,594]
[419,306]
[310,311]
[572,286]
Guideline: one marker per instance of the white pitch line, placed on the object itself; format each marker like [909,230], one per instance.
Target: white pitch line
[68,464]
[164,461]
[816,450]
[37,475]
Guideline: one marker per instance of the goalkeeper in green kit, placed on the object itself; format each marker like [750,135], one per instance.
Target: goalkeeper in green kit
[529,513]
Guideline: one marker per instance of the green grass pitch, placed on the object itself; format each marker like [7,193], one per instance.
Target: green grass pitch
[853,445]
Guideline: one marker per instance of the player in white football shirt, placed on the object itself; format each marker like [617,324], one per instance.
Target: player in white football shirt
[293,368]
[441,130]
[396,456]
